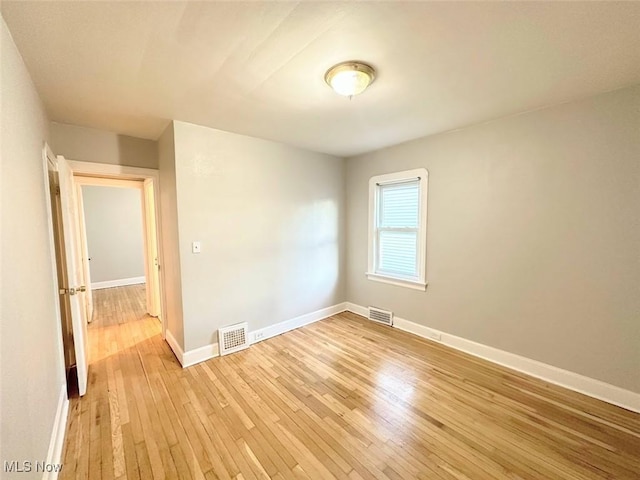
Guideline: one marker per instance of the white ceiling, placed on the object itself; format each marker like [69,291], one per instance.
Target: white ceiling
[257,68]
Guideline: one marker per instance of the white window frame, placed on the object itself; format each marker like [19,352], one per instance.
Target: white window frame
[420,281]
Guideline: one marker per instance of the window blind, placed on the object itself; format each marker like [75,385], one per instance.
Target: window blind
[398,226]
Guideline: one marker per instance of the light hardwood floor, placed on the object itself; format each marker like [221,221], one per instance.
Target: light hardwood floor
[342,398]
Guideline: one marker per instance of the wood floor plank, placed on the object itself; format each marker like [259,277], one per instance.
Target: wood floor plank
[342,398]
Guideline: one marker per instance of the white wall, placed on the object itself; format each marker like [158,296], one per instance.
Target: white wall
[31,360]
[114,224]
[533,235]
[170,262]
[92,145]
[270,221]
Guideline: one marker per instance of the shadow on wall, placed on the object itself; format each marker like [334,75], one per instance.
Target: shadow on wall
[314,235]
[92,145]
[137,152]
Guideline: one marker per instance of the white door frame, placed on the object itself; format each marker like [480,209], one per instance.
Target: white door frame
[152,254]
[117,175]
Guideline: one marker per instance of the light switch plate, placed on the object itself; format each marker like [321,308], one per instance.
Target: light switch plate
[195,247]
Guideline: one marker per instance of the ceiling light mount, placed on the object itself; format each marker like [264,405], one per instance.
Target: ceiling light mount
[350,78]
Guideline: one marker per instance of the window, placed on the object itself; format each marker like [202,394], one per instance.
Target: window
[398,228]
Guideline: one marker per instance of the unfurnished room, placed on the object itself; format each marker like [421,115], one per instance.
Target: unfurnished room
[320,240]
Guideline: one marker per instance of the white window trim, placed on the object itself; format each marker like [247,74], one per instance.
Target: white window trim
[419,282]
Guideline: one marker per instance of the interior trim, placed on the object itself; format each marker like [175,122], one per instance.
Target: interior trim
[118,283]
[198,355]
[557,376]
[56,444]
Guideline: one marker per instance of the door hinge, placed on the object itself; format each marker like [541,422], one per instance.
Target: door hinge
[57,190]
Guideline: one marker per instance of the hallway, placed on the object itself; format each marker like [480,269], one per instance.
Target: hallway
[120,321]
[124,343]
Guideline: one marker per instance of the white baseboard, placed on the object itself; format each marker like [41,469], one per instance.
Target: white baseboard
[297,322]
[197,355]
[564,378]
[56,444]
[175,346]
[192,357]
[123,282]
[358,309]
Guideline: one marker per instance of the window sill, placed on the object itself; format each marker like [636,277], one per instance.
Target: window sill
[400,282]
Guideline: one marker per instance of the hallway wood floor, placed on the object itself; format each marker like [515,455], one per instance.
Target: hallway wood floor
[341,398]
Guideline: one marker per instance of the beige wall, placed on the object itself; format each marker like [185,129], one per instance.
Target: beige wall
[91,145]
[533,235]
[269,218]
[170,263]
[31,361]
[114,224]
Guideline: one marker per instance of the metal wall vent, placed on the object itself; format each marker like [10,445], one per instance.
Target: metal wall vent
[381,316]
[233,338]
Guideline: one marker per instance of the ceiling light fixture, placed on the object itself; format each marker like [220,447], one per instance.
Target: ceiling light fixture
[350,78]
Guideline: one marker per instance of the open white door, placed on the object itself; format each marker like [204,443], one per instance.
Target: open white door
[151,245]
[83,254]
[75,289]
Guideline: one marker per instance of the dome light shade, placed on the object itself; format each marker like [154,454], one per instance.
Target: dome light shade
[350,78]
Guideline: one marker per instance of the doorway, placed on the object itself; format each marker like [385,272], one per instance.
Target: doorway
[68,216]
[119,238]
